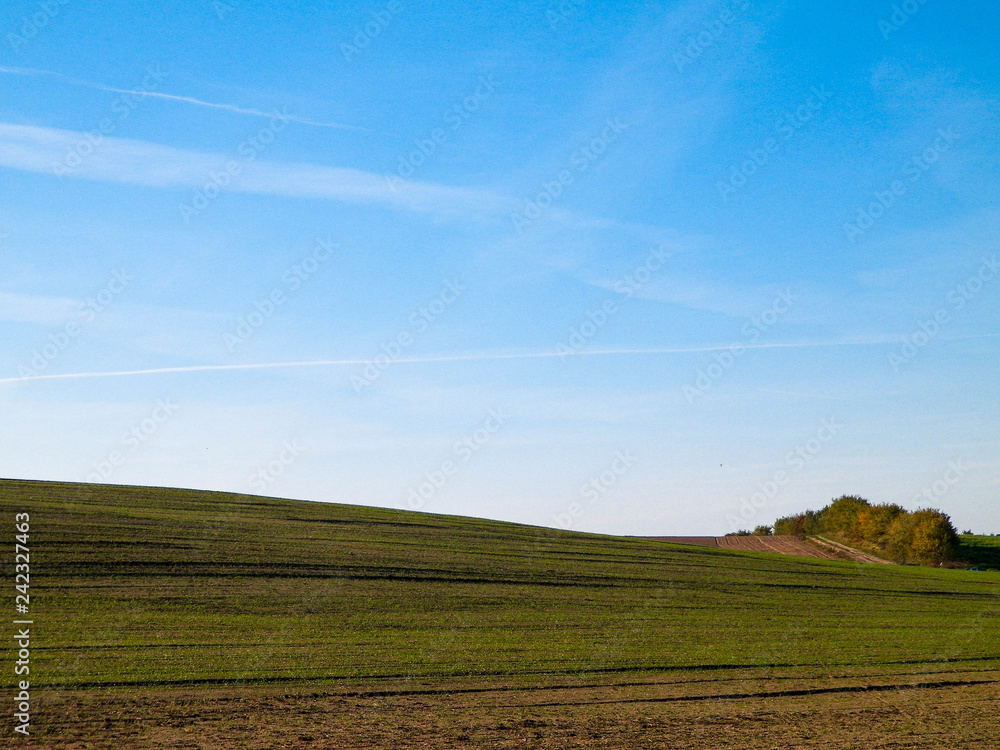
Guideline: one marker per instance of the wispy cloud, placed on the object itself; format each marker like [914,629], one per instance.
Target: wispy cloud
[19,308]
[122,160]
[248,111]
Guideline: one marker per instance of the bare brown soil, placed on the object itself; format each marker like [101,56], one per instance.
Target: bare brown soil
[954,710]
[856,554]
[784,545]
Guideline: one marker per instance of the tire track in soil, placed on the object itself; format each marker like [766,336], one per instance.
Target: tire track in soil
[772,694]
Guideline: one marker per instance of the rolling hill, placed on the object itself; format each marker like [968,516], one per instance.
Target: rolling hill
[192,619]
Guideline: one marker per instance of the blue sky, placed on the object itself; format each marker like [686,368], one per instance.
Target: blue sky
[651,268]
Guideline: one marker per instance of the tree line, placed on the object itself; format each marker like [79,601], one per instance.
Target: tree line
[923,537]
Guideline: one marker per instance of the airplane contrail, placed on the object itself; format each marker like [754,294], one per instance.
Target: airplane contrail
[178,98]
[481,357]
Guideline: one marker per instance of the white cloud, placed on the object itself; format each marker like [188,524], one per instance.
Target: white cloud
[122,160]
[21,308]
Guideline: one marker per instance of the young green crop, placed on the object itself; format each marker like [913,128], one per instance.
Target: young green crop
[142,586]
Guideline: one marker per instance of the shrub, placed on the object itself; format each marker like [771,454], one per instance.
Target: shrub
[786,526]
[763,531]
[842,516]
[899,538]
[934,539]
[811,522]
[801,525]
[874,522]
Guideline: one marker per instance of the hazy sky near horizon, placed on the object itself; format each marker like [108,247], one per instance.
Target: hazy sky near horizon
[636,268]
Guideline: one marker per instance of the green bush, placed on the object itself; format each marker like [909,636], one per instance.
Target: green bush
[934,538]
[899,538]
[874,522]
[785,526]
[803,524]
[842,516]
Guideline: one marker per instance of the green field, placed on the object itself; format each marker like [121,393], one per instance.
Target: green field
[164,617]
[980,551]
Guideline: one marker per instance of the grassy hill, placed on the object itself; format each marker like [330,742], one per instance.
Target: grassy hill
[146,591]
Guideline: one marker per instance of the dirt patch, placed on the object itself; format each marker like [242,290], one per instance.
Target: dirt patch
[855,554]
[783,545]
[819,547]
